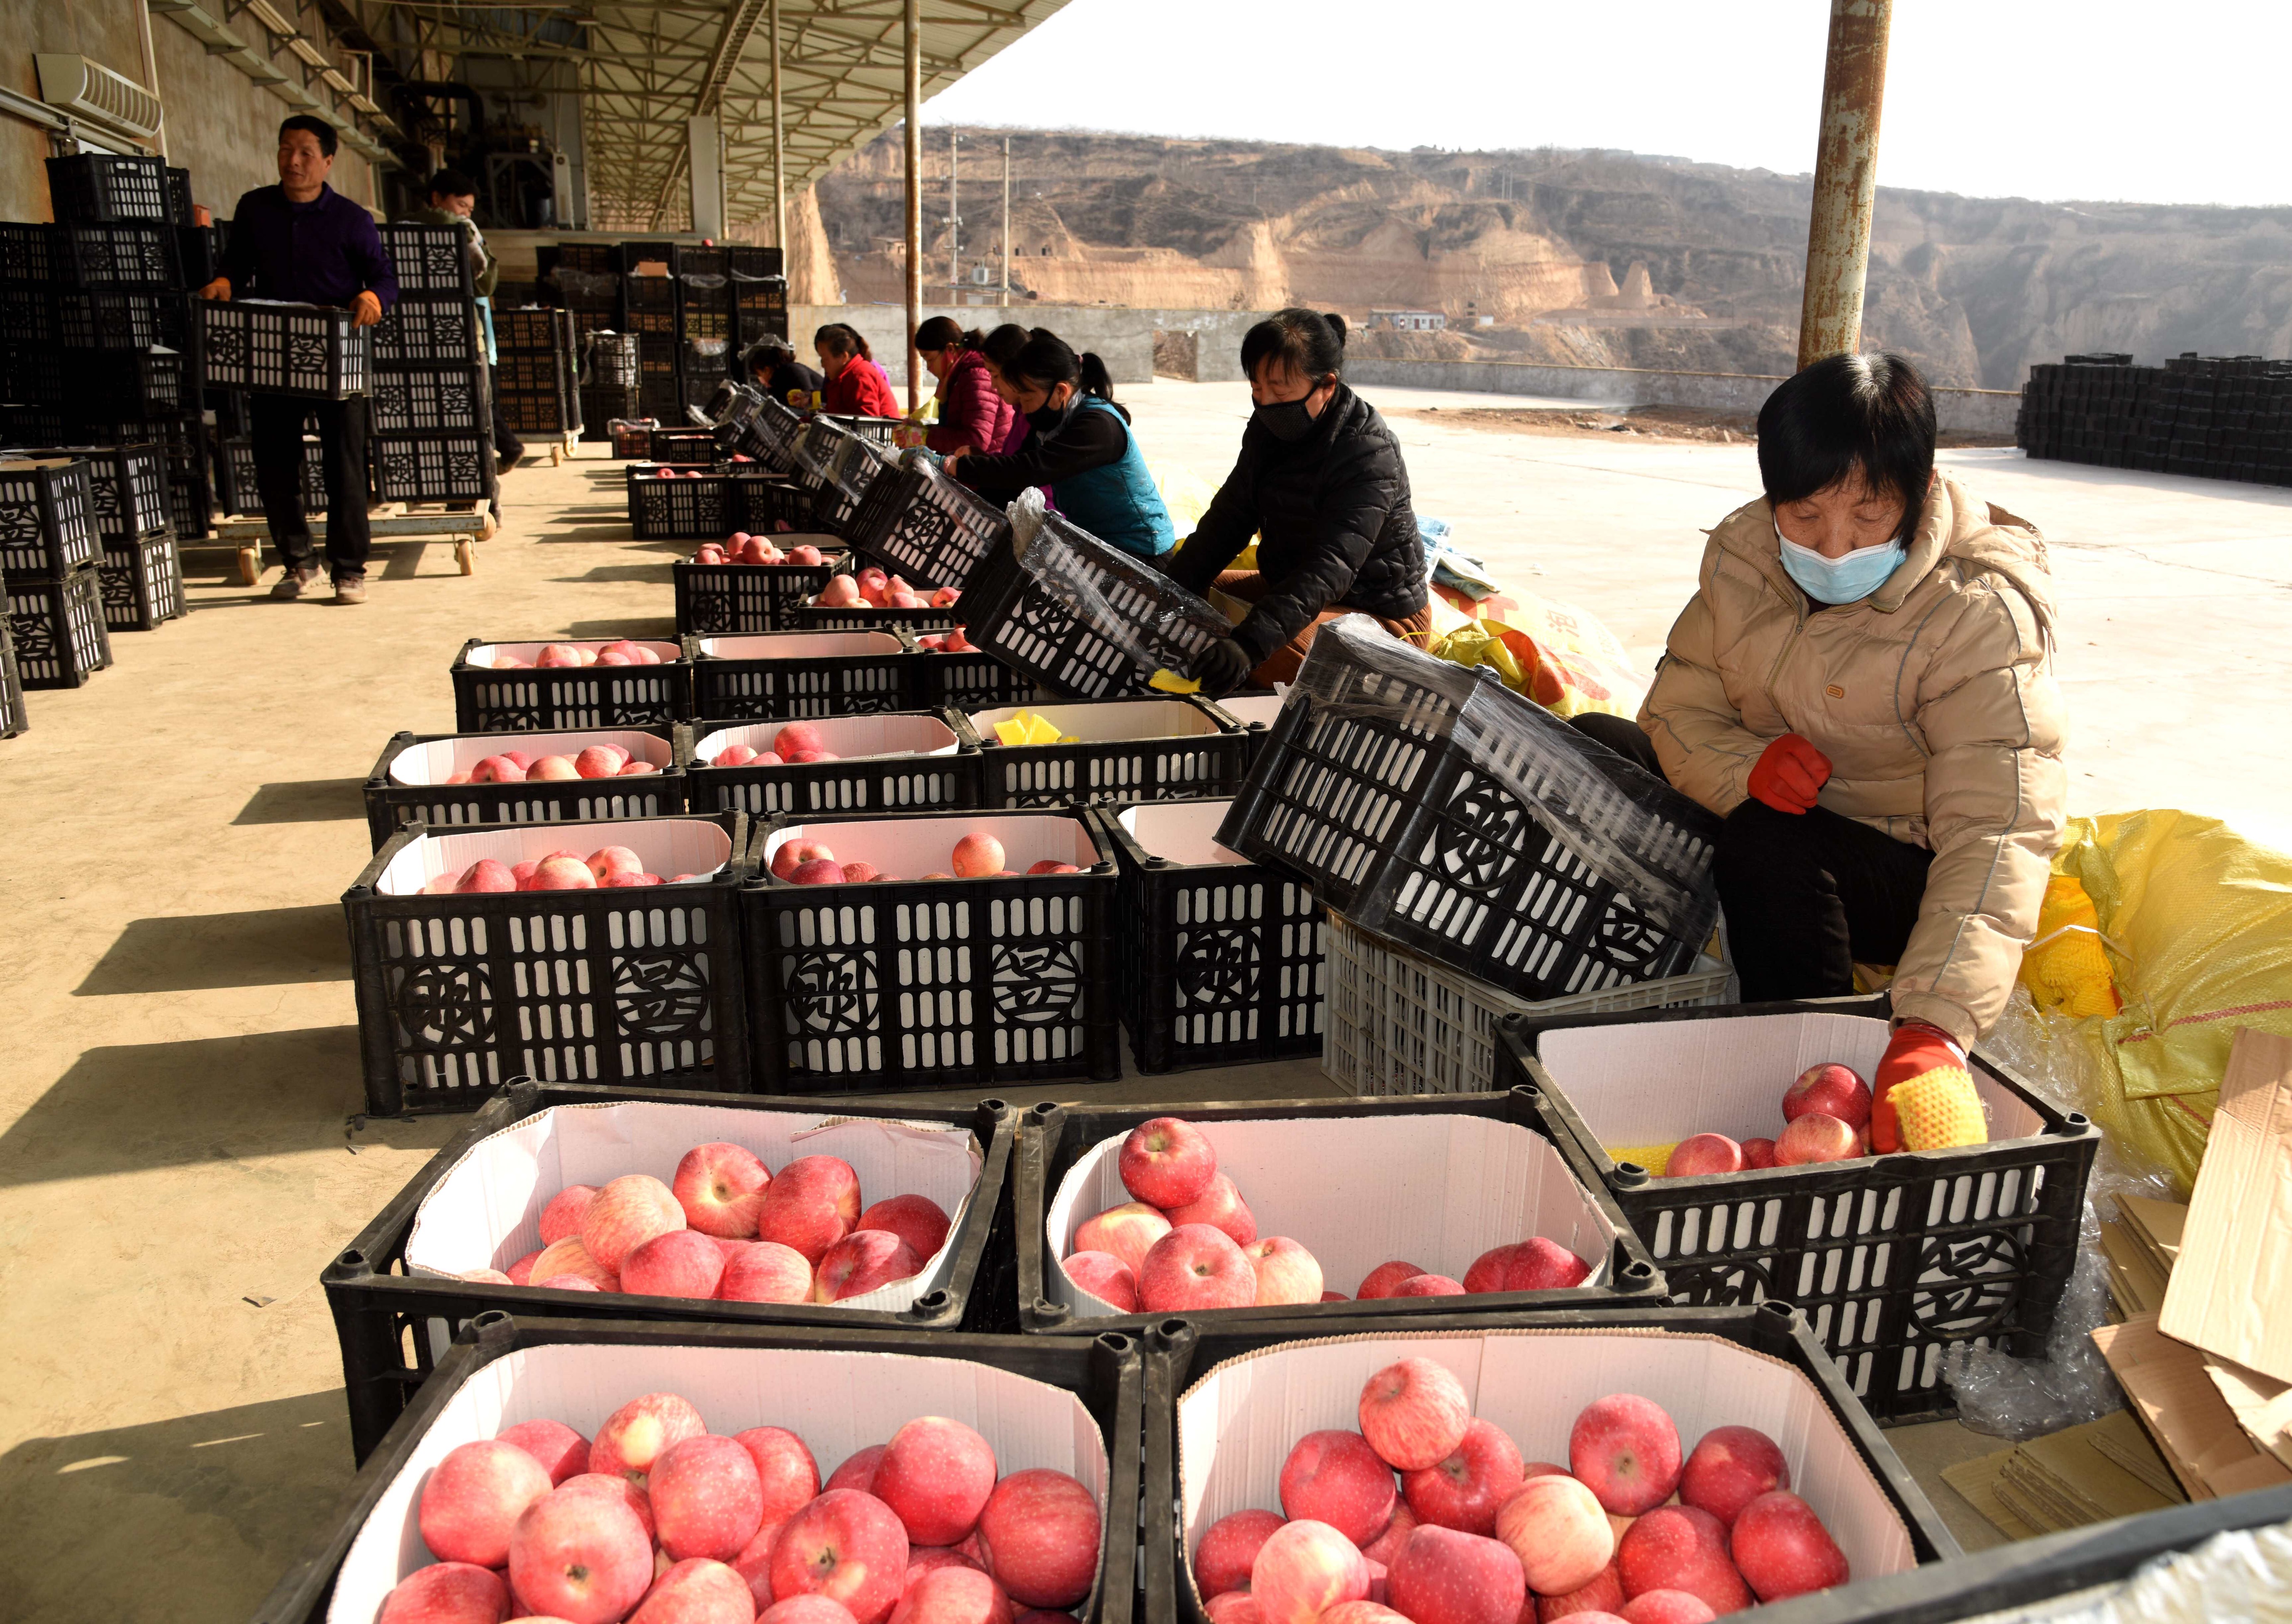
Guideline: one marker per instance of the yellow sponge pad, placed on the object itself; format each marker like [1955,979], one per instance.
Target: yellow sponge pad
[1027,729]
[1655,1158]
[1170,682]
[1939,1110]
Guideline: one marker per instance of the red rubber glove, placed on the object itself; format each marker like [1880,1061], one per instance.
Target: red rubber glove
[1916,1049]
[1788,774]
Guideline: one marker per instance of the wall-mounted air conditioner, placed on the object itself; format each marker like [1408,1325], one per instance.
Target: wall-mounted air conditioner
[90,91]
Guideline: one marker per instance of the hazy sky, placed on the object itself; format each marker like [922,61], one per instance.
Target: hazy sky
[2102,99]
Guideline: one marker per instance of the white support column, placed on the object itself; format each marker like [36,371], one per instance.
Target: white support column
[705,156]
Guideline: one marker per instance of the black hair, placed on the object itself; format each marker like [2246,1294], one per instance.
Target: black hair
[1002,346]
[841,338]
[1047,360]
[943,332]
[1848,413]
[1306,342]
[317,127]
[451,183]
[766,353]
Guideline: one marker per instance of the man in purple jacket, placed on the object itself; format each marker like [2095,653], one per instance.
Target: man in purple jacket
[302,242]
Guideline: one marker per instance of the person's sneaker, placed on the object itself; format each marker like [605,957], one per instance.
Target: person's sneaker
[297,582]
[351,589]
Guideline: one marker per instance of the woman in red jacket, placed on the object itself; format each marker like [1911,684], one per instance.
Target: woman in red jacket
[856,386]
[972,416]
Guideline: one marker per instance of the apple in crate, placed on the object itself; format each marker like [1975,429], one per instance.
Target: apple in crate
[446,1593]
[859,1472]
[1465,1490]
[956,1592]
[1127,1233]
[785,1467]
[1782,1550]
[1442,1576]
[1196,1266]
[1381,1281]
[638,1434]
[1665,1607]
[627,1212]
[1730,1467]
[473,1498]
[1335,1478]
[936,1476]
[696,1591]
[1414,1413]
[847,1547]
[563,1452]
[1626,1450]
[1228,1550]
[1758,1153]
[1677,1547]
[765,1271]
[861,1262]
[721,1188]
[1166,1161]
[977,855]
[580,1554]
[707,1498]
[792,855]
[1557,1529]
[1429,1286]
[1306,1568]
[915,1220]
[805,554]
[1104,1275]
[1221,1206]
[679,1263]
[1534,1264]
[1287,1273]
[1816,1136]
[1039,1533]
[1834,1089]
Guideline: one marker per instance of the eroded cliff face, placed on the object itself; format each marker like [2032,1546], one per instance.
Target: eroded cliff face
[1974,289]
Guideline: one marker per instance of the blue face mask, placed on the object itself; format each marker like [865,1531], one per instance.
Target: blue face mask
[1847,580]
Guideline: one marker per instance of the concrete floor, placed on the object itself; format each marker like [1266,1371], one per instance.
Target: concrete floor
[180,1150]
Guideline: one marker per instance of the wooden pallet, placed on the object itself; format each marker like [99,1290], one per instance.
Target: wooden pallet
[468,523]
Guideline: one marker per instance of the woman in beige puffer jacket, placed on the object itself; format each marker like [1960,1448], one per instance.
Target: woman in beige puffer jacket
[1889,767]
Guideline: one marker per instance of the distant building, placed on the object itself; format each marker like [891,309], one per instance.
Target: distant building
[1409,321]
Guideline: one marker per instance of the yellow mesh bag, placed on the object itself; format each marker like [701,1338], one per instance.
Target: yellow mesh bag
[2067,967]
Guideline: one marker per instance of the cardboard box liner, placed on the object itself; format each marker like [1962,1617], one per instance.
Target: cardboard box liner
[839,1402]
[1183,832]
[486,1212]
[1248,708]
[483,654]
[801,644]
[1237,1423]
[439,760]
[914,847]
[669,847]
[2166,1384]
[1106,722]
[852,738]
[2232,1287]
[1356,1192]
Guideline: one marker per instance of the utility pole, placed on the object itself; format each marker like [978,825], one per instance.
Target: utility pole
[954,219]
[1006,220]
[915,168]
[1845,179]
[779,159]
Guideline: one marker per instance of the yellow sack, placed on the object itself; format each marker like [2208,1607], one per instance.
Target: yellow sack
[1561,656]
[1186,495]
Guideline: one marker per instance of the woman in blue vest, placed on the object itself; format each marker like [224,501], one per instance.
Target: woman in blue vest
[1080,445]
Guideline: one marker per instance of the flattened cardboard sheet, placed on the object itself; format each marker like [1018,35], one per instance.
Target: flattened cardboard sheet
[2232,1291]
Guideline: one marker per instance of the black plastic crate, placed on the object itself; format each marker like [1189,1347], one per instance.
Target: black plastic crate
[611,357]
[393,1324]
[428,332]
[1183,1352]
[58,628]
[526,331]
[632,438]
[286,349]
[811,615]
[429,258]
[1893,1259]
[190,495]
[241,494]
[743,260]
[736,598]
[1084,618]
[641,294]
[105,383]
[904,761]
[179,195]
[130,253]
[13,718]
[768,433]
[444,467]
[1435,807]
[595,259]
[924,526]
[1163,748]
[970,680]
[1219,962]
[32,424]
[784,675]
[1360,1135]
[529,369]
[527,699]
[684,444]
[198,253]
[602,405]
[117,318]
[668,503]
[534,412]
[143,581]
[409,785]
[92,188]
[428,402]
[1104,1376]
[932,984]
[47,515]
[838,467]
[459,994]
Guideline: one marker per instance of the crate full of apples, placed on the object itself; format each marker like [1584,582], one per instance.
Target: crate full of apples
[1601,1471]
[600,951]
[751,583]
[444,779]
[1735,1141]
[571,1471]
[889,763]
[1313,1209]
[1113,750]
[788,676]
[919,951]
[857,596]
[576,683]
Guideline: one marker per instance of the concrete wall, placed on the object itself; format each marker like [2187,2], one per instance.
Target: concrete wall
[1965,411]
[1123,338]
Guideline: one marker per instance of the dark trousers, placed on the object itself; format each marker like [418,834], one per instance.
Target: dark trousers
[277,424]
[507,447]
[1807,895]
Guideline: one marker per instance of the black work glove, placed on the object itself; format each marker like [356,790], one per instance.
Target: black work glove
[1221,668]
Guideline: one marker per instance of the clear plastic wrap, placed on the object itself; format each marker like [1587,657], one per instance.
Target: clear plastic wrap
[586,284]
[1122,599]
[2245,1574]
[835,456]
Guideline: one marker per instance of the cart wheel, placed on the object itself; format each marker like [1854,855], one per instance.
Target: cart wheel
[465,554]
[491,527]
[250,567]
[556,455]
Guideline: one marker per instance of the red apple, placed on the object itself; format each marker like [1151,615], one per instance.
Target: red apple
[563,1216]
[953,1594]
[823,1179]
[1235,1607]
[600,760]
[1590,1604]
[923,1559]
[1380,1280]
[681,1263]
[845,1546]
[1831,1089]
[1815,1136]
[1625,1449]
[1387,1545]
[1287,1273]
[563,1452]
[733,755]
[473,1498]
[1464,1489]
[935,1476]
[722,1188]
[581,1554]
[1782,1550]
[857,1472]
[977,855]
[698,1591]
[620,1491]
[765,1271]
[1677,1547]
[1126,1233]
[798,736]
[794,855]
[1429,1286]
[1729,1468]
[1335,1478]
[1229,1547]
[1664,1607]
[1758,1153]
[1040,1534]
[1555,1526]
[627,1212]
[1414,1413]
[635,1436]
[1700,1156]
[1304,1569]
[1196,1267]
[1220,1205]
[446,1593]
[1445,1577]
[807,1609]
[861,1262]
[1167,1162]
[706,1498]
[569,1257]
[1362,1613]
[917,1220]
[1105,1276]
[485,875]
[820,871]
[786,1471]
[521,1273]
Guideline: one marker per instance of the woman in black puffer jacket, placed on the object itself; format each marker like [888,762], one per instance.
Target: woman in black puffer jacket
[1321,483]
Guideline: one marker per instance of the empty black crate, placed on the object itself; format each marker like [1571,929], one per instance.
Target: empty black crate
[1219,963]
[895,762]
[926,528]
[432,467]
[13,718]
[104,383]
[48,523]
[838,467]
[414,402]
[785,675]
[143,581]
[58,628]
[932,984]
[734,597]
[1433,806]
[429,258]
[767,433]
[90,255]
[459,994]
[428,332]
[1156,749]
[1085,618]
[526,698]
[94,187]
[286,349]
[409,783]
[1892,1258]
[117,318]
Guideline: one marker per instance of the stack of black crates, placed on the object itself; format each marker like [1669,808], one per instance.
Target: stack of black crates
[610,389]
[430,430]
[2216,417]
[652,308]
[759,292]
[660,326]
[536,372]
[48,551]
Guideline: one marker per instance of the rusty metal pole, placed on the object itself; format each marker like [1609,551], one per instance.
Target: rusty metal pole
[915,166]
[1845,179]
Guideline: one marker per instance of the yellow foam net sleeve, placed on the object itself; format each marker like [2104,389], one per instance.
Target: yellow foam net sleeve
[1561,656]
[1655,1158]
[2194,926]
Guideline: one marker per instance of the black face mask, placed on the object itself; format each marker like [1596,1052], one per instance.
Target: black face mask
[1287,421]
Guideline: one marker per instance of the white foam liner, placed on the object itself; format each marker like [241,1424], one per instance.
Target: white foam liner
[1435,1190]
[434,762]
[839,1402]
[912,848]
[1108,721]
[1182,832]
[1248,708]
[800,645]
[669,847]
[853,738]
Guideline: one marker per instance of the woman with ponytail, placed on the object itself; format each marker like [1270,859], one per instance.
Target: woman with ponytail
[972,416]
[1321,483]
[856,386]
[1080,443]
